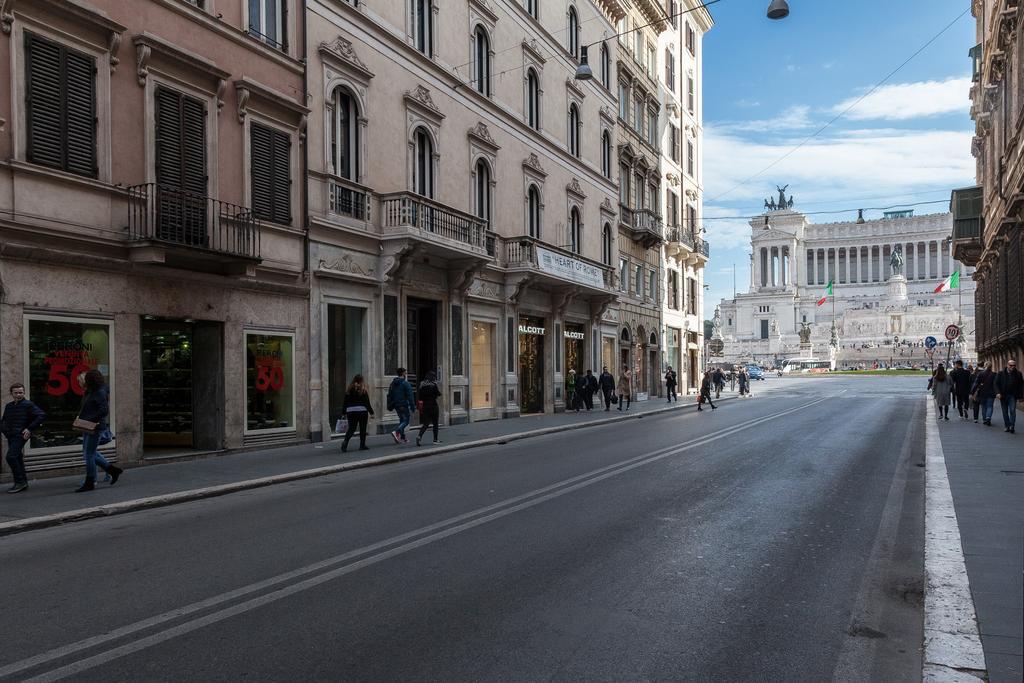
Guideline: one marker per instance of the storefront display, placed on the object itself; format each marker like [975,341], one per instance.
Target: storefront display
[167,398]
[482,376]
[270,386]
[344,354]
[59,350]
[608,353]
[531,364]
[673,341]
[574,348]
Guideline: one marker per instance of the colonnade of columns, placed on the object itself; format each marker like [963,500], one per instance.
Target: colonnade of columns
[922,261]
[774,267]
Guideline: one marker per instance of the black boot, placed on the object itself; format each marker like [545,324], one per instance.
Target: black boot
[344,445]
[88,485]
[114,471]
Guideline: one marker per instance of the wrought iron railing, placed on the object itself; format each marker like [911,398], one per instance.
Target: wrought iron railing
[168,214]
[349,199]
[701,245]
[680,236]
[263,37]
[647,221]
[408,210]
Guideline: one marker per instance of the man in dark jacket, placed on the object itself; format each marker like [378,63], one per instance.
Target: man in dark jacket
[607,384]
[1009,386]
[401,400]
[670,384]
[20,418]
[586,386]
[984,391]
[961,388]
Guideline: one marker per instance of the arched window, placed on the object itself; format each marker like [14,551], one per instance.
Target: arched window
[483,61]
[575,231]
[574,130]
[345,135]
[606,244]
[533,211]
[423,163]
[532,99]
[606,67]
[482,191]
[423,26]
[625,334]
[574,33]
[606,155]
[531,7]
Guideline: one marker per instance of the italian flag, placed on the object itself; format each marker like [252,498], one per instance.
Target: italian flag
[952,282]
[828,293]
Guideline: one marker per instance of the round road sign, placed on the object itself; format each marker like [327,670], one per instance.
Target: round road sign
[952,332]
[930,342]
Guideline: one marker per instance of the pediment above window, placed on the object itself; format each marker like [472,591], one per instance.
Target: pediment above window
[420,101]
[482,135]
[342,54]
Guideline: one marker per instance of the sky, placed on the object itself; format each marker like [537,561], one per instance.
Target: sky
[769,85]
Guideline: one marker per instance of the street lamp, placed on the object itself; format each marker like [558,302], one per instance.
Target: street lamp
[778,9]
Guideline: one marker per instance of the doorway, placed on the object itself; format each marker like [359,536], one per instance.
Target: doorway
[482,366]
[531,364]
[421,325]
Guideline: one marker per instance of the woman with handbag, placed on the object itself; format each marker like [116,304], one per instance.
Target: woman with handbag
[92,422]
[430,411]
[358,411]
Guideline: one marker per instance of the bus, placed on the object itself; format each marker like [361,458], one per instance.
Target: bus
[799,365]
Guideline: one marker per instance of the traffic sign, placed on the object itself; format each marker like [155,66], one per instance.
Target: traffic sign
[952,332]
[930,342]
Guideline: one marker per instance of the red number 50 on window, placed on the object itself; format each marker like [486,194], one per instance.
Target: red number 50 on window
[60,380]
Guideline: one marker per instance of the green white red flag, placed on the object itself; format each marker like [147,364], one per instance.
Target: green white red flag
[951,282]
[827,294]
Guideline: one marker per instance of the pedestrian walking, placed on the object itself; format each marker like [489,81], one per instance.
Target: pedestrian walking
[732,380]
[942,390]
[358,411]
[571,400]
[95,409]
[402,401]
[625,388]
[20,417]
[961,388]
[744,381]
[719,379]
[984,392]
[972,397]
[587,389]
[607,385]
[670,385]
[1009,386]
[705,390]
[430,411]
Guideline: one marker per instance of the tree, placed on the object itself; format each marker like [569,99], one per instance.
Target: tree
[709,326]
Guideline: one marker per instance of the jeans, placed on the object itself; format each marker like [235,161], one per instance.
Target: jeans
[987,404]
[90,442]
[1009,411]
[404,416]
[15,459]
[625,398]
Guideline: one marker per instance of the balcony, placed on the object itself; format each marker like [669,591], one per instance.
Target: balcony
[170,226]
[349,199]
[968,224]
[648,228]
[439,229]
[555,267]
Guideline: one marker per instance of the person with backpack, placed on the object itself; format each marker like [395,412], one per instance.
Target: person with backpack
[402,401]
[358,411]
[20,418]
[430,411]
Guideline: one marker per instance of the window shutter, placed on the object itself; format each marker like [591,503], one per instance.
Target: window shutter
[261,159]
[168,138]
[282,188]
[193,146]
[80,110]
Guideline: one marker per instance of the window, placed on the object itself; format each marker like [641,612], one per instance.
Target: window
[691,39]
[670,70]
[345,135]
[639,195]
[689,158]
[531,8]
[638,116]
[653,202]
[270,171]
[482,191]
[674,139]
[623,184]
[673,290]
[180,142]
[652,128]
[673,209]
[422,26]
[652,285]
[606,154]
[652,61]
[691,219]
[532,99]
[574,130]
[482,62]
[575,231]
[533,211]
[673,13]
[624,102]
[423,163]
[638,46]
[638,281]
[623,275]
[270,385]
[60,107]
[267,22]
[606,67]
[691,99]
[574,33]
[621,31]
[606,244]
[691,304]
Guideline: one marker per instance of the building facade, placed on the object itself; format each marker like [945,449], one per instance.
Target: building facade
[151,222]
[882,308]
[987,225]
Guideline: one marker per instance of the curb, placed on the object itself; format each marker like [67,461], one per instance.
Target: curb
[164,500]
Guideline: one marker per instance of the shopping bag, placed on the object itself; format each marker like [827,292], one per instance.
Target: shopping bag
[341,426]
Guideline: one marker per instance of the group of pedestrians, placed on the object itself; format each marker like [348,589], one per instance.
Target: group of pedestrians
[401,399]
[975,390]
[21,417]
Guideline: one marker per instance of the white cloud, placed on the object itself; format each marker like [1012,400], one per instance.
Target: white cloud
[903,101]
[727,233]
[792,118]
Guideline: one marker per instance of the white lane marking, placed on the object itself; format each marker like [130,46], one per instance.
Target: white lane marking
[952,645]
[490,512]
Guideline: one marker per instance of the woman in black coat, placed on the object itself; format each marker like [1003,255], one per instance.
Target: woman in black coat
[358,411]
[430,411]
[95,408]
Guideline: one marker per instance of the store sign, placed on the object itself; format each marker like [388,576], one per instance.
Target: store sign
[573,335]
[569,268]
[270,392]
[531,329]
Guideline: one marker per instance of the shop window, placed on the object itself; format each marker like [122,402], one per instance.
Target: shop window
[344,353]
[270,382]
[60,349]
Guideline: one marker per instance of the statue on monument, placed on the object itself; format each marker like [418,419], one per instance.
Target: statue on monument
[716,324]
[782,204]
[805,333]
[896,260]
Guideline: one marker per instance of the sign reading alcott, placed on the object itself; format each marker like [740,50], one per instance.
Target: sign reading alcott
[569,268]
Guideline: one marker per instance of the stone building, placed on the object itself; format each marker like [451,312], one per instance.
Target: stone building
[151,222]
[461,194]
[878,317]
[987,218]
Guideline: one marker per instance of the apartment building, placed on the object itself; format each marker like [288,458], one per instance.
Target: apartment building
[151,221]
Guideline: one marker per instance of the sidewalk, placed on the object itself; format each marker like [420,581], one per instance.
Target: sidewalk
[49,502]
[986,477]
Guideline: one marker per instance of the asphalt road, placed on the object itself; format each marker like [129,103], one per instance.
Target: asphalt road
[777,538]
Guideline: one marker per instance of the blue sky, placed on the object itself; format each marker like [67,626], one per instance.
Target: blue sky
[768,85]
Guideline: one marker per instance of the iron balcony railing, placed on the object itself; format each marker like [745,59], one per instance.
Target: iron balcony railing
[680,236]
[408,210]
[167,214]
[701,245]
[647,222]
[349,199]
